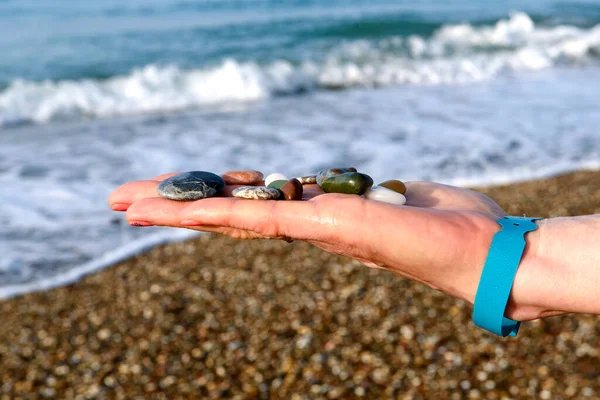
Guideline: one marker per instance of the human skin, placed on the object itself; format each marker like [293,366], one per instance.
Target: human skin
[441,238]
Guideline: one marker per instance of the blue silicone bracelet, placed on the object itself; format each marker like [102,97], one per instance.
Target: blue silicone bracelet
[498,276]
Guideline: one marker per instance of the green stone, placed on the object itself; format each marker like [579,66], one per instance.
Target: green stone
[328,173]
[277,184]
[348,183]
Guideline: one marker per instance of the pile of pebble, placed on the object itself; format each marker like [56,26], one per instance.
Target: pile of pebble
[196,185]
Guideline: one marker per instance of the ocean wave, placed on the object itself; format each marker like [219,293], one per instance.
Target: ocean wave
[454,54]
[109,258]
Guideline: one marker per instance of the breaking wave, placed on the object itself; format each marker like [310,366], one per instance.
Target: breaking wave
[453,54]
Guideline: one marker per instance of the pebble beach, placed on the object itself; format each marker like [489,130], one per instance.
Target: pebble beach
[218,318]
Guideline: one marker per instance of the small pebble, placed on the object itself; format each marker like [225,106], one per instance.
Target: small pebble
[256,193]
[385,195]
[395,185]
[275,177]
[328,173]
[308,180]
[292,190]
[193,185]
[248,177]
[348,183]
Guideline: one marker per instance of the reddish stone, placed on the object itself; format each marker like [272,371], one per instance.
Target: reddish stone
[248,177]
[292,190]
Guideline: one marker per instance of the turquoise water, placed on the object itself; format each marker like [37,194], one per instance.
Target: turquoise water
[94,94]
[64,60]
[63,39]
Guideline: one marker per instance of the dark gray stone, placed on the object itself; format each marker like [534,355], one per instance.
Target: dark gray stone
[189,186]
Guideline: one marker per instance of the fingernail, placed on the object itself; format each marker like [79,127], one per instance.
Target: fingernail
[139,223]
[189,222]
[120,206]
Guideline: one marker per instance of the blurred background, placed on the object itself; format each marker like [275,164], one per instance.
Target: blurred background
[94,94]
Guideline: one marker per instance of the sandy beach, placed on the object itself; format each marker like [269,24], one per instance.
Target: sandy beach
[220,318]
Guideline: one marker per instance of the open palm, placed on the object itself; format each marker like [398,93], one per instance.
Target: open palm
[440,237]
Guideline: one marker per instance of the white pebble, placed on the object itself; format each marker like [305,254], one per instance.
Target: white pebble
[275,177]
[385,195]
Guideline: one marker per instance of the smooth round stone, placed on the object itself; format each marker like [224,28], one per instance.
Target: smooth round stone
[395,185]
[328,173]
[189,186]
[307,180]
[277,184]
[248,177]
[385,195]
[256,193]
[292,190]
[275,177]
[349,183]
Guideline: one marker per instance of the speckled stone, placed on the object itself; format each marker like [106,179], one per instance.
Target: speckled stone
[292,190]
[328,173]
[385,195]
[247,177]
[348,183]
[256,193]
[307,180]
[189,186]
[275,177]
[395,185]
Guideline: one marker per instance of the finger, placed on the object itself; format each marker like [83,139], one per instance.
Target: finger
[320,219]
[125,195]
[161,212]
[266,218]
[156,211]
[295,219]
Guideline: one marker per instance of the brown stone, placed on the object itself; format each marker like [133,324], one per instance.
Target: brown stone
[292,190]
[248,177]
[395,185]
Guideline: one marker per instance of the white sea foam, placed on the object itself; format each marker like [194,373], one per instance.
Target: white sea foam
[107,259]
[453,55]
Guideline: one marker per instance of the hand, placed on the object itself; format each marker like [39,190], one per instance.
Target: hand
[440,237]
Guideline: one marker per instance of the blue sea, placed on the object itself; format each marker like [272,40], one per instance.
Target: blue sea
[94,94]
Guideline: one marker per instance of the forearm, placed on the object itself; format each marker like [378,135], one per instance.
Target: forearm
[560,271]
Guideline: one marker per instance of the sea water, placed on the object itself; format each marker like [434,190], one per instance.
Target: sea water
[94,94]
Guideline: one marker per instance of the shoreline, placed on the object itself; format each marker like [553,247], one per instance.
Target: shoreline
[140,246]
[214,317]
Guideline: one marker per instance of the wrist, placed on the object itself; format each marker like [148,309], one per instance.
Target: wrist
[536,283]
[560,271]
